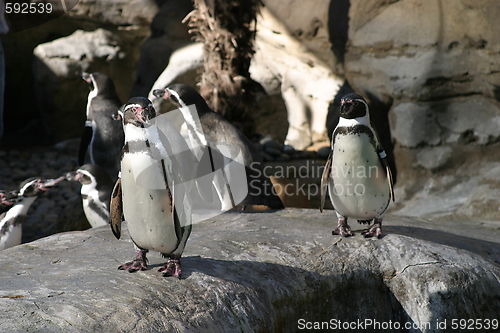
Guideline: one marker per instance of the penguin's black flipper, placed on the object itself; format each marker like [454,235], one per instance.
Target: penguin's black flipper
[324,180]
[116,209]
[84,144]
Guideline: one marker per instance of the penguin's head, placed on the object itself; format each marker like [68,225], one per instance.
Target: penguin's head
[353,106]
[87,77]
[88,174]
[138,111]
[181,95]
[99,82]
[32,187]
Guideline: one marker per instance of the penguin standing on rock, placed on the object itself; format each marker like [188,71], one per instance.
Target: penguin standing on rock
[144,193]
[18,203]
[103,134]
[356,173]
[96,192]
[218,131]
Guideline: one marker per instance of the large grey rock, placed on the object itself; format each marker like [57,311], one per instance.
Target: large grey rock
[432,60]
[433,158]
[61,92]
[455,120]
[116,12]
[253,272]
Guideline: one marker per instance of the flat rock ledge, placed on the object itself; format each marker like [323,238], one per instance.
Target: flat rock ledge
[277,271]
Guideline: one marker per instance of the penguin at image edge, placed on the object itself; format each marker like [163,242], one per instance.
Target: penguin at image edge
[15,206]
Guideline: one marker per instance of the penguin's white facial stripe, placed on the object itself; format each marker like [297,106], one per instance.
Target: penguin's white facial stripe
[23,190]
[177,99]
[188,117]
[86,177]
[92,94]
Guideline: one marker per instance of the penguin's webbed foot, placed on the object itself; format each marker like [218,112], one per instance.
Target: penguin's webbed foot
[172,267]
[139,263]
[375,230]
[343,229]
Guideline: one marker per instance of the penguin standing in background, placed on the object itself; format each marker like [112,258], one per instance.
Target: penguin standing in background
[96,192]
[356,173]
[20,201]
[103,134]
[144,196]
[218,131]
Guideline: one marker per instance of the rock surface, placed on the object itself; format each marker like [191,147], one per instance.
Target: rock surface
[61,92]
[253,272]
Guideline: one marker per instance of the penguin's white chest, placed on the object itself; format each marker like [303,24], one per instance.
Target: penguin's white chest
[358,185]
[11,224]
[147,209]
[97,212]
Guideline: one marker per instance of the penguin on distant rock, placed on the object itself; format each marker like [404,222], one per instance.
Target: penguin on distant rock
[356,174]
[96,192]
[144,195]
[103,135]
[216,131]
[17,208]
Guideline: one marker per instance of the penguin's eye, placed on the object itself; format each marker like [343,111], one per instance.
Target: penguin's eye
[355,103]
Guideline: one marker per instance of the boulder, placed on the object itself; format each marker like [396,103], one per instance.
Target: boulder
[116,12]
[60,90]
[277,271]
[432,61]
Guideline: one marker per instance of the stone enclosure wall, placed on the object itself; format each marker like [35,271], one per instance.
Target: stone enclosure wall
[429,68]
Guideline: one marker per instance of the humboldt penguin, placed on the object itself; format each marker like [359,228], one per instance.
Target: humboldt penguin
[96,192]
[103,134]
[218,131]
[357,174]
[143,195]
[17,203]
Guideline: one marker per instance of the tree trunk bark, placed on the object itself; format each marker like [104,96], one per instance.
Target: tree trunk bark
[227,29]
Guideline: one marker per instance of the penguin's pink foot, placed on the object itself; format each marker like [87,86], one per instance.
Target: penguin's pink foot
[343,229]
[172,267]
[375,230]
[139,263]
